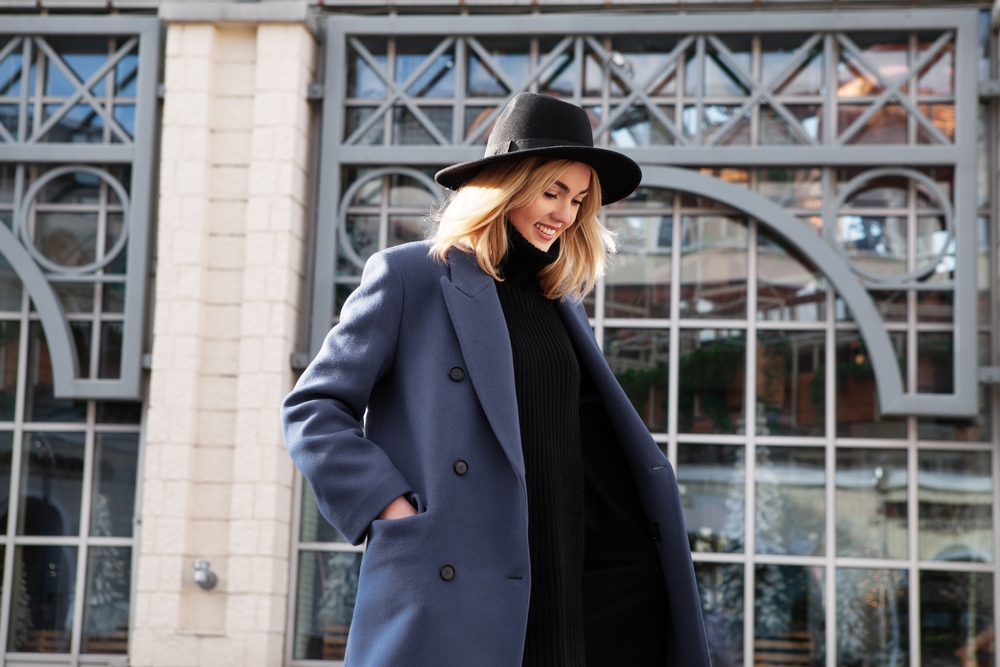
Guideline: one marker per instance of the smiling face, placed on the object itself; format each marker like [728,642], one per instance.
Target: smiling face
[551,213]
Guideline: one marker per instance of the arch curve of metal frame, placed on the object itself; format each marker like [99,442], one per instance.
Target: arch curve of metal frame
[892,398]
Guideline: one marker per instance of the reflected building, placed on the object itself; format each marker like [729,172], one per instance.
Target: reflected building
[802,308]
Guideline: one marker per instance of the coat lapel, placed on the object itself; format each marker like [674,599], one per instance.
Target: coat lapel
[471,298]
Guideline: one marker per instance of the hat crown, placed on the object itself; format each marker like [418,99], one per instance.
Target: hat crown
[539,121]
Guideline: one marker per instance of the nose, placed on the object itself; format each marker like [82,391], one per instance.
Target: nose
[565,213]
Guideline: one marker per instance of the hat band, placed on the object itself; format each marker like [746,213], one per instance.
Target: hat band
[527,144]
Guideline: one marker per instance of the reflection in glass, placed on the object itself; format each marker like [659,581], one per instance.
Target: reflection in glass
[858,411]
[955,491]
[791,503]
[510,55]
[407,228]
[41,611]
[778,52]
[976,429]
[407,191]
[639,358]
[119,412]
[956,619]
[51,483]
[871,503]
[935,306]
[713,267]
[935,363]
[791,392]
[110,359]
[116,457]
[638,279]
[10,286]
[789,623]
[361,232]
[711,391]
[475,117]
[407,129]
[639,127]
[711,480]
[75,297]
[872,622]
[720,78]
[6,454]
[776,130]
[327,591]
[789,287]
[66,238]
[40,404]
[876,244]
[312,526]
[721,590]
[436,80]
[886,126]
[106,606]
[362,80]
[9,341]
[355,117]
[799,188]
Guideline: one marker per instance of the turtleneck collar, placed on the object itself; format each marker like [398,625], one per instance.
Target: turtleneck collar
[523,260]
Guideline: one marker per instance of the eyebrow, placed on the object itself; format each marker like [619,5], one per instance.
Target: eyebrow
[562,186]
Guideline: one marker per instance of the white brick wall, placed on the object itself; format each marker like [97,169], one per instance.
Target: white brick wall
[230,268]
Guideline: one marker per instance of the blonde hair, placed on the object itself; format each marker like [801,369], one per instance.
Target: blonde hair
[473,221]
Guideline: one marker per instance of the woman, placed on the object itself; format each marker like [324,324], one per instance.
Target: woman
[516,508]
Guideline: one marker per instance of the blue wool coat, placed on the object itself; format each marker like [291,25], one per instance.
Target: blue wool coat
[403,333]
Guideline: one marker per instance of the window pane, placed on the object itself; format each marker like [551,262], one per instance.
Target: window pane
[41,611]
[794,188]
[790,626]
[858,411]
[106,607]
[119,412]
[110,363]
[312,526]
[713,267]
[639,358]
[789,287]
[721,589]
[871,503]
[10,334]
[6,454]
[10,286]
[791,503]
[791,386]
[711,480]
[935,368]
[875,244]
[711,392]
[956,619]
[407,228]
[327,590]
[51,483]
[872,621]
[116,456]
[638,280]
[956,513]
[40,404]
[67,238]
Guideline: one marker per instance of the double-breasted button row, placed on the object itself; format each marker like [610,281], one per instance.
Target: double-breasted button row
[456,374]
[447,572]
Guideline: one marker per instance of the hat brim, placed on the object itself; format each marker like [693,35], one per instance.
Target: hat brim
[618,174]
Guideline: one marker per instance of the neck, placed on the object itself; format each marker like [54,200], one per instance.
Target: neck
[523,260]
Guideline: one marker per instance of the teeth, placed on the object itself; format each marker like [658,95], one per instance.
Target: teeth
[545,230]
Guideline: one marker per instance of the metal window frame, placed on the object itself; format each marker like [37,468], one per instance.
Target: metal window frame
[139,154]
[828,151]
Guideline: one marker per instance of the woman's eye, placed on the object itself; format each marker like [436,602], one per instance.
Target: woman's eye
[577,202]
[551,195]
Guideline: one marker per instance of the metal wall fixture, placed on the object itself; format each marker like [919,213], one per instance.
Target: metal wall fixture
[203,575]
[88,116]
[402,126]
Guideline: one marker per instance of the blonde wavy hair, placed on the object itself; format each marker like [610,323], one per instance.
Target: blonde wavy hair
[473,221]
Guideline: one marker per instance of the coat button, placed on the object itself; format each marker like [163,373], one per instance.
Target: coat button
[456,374]
[447,573]
[461,467]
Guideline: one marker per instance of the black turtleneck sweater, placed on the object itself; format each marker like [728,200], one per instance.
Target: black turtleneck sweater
[598,596]
[547,384]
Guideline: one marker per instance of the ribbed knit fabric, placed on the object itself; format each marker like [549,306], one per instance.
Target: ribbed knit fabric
[547,384]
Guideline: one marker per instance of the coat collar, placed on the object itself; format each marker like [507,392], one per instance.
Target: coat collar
[471,298]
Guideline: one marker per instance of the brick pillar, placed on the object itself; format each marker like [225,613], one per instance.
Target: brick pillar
[229,271]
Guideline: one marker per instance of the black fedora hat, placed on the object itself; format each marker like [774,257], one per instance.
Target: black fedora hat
[538,125]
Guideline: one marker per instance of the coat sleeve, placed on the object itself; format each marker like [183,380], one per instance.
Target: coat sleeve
[352,477]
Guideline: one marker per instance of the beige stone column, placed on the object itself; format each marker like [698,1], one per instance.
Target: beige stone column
[217,483]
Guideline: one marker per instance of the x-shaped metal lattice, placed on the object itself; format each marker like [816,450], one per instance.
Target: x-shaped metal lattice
[638,94]
[81,88]
[891,87]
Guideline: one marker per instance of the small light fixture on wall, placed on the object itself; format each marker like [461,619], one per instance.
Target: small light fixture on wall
[203,575]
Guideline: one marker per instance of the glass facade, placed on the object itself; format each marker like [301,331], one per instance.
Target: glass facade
[824,531]
[69,467]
